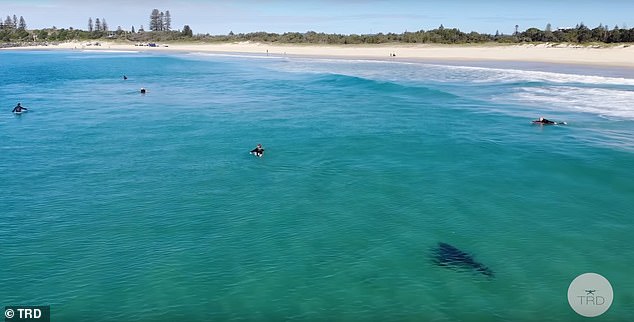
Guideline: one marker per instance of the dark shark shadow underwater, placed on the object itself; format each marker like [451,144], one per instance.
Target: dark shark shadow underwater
[448,256]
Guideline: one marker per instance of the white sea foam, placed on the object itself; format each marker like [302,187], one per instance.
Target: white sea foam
[602,95]
[498,75]
[112,51]
[602,101]
[408,71]
[236,55]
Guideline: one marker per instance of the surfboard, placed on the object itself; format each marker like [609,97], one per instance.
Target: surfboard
[555,123]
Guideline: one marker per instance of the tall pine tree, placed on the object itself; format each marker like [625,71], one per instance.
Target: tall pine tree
[8,23]
[167,21]
[22,23]
[90,25]
[154,20]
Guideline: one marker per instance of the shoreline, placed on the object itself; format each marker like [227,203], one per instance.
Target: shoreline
[616,56]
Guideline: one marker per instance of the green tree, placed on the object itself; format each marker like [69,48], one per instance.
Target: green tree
[104,25]
[615,35]
[42,35]
[533,34]
[187,31]
[90,25]
[154,20]
[97,24]
[583,33]
[167,22]
[23,35]
[133,29]
[8,23]
[5,35]
[599,33]
[548,33]
[22,24]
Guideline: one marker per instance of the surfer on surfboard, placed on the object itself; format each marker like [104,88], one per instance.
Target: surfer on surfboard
[19,109]
[544,121]
[258,151]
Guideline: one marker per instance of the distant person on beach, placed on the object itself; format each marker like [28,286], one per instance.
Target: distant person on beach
[19,108]
[258,151]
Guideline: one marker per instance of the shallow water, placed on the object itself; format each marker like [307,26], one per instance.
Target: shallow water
[121,206]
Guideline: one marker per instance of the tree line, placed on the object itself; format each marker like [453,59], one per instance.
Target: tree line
[160,21]
[13,29]
[13,23]
[99,25]
[581,34]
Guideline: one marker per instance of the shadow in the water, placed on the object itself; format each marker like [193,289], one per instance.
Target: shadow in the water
[449,256]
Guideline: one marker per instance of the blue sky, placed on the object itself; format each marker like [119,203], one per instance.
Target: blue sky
[330,16]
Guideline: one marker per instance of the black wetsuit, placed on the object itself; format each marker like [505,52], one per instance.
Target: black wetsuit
[19,109]
[258,151]
[545,121]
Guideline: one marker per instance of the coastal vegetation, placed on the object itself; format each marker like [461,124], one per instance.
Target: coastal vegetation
[160,21]
[14,30]
[441,35]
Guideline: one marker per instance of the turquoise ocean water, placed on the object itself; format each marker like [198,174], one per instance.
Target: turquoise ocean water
[117,206]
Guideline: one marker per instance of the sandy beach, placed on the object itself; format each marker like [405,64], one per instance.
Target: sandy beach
[616,56]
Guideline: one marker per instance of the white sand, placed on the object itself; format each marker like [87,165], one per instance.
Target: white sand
[622,55]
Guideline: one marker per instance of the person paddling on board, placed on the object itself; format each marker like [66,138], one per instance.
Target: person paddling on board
[542,120]
[19,108]
[258,151]
[142,90]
